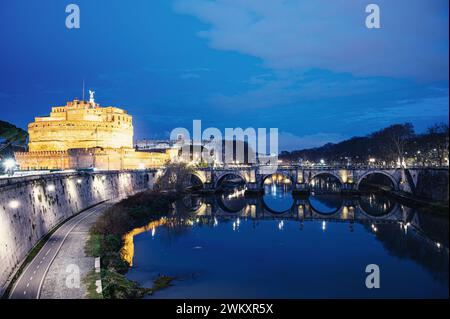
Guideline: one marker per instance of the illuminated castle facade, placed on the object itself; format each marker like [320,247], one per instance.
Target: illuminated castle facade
[82,134]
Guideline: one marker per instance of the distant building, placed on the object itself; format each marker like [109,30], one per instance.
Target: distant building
[82,134]
[150,145]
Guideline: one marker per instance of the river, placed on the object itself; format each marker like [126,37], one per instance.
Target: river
[275,246]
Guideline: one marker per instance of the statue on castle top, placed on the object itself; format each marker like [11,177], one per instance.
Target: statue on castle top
[91,98]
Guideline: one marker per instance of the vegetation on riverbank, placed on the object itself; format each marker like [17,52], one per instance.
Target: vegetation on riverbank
[107,239]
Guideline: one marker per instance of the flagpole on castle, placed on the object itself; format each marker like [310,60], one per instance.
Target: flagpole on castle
[83,90]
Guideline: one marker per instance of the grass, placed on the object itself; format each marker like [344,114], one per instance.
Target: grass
[106,241]
[162,282]
[117,286]
[90,282]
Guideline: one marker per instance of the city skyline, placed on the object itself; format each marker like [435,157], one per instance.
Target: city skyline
[274,64]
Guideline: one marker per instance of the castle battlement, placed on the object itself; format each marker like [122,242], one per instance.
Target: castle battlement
[81,124]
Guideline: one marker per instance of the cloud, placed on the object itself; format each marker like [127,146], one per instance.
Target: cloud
[412,43]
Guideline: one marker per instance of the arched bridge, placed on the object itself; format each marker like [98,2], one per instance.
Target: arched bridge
[302,177]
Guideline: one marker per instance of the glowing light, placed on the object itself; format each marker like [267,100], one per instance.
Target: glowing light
[153,231]
[281,225]
[14,204]
[216,222]
[79,181]
[103,178]
[371,160]
[51,188]
[438,245]
[324,225]
[9,163]
[236,194]
[322,161]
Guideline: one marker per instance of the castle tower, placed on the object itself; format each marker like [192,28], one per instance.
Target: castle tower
[83,134]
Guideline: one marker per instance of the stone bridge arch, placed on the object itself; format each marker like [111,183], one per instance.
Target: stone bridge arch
[285,174]
[201,175]
[218,176]
[394,181]
[332,173]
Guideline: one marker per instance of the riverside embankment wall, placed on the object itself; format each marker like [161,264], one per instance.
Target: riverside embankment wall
[31,206]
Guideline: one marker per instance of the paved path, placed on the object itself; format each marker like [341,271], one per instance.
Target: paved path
[29,284]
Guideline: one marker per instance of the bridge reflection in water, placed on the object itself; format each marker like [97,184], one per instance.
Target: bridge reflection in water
[404,231]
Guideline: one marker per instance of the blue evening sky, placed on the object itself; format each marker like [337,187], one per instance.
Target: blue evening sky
[310,68]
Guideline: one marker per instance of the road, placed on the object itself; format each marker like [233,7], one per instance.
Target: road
[33,173]
[29,284]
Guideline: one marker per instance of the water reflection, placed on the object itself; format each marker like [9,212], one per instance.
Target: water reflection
[363,230]
[325,204]
[233,202]
[277,198]
[376,204]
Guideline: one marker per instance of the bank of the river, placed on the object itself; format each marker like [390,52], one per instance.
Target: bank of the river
[107,240]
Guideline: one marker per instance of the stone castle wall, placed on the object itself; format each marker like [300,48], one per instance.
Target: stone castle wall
[31,206]
[81,125]
[100,158]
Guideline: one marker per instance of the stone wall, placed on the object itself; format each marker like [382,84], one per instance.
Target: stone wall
[31,206]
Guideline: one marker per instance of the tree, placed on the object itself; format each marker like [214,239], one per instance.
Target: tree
[394,140]
[437,138]
[176,177]
[12,135]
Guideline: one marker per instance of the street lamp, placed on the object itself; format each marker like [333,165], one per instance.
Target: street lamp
[9,163]
[14,204]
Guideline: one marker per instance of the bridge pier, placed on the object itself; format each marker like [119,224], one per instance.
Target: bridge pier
[208,187]
[349,188]
[254,189]
[301,189]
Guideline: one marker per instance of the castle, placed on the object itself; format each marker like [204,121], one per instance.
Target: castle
[81,135]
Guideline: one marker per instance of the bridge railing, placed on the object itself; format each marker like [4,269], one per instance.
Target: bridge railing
[321,167]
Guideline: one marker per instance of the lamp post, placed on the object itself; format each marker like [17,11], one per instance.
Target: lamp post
[9,165]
